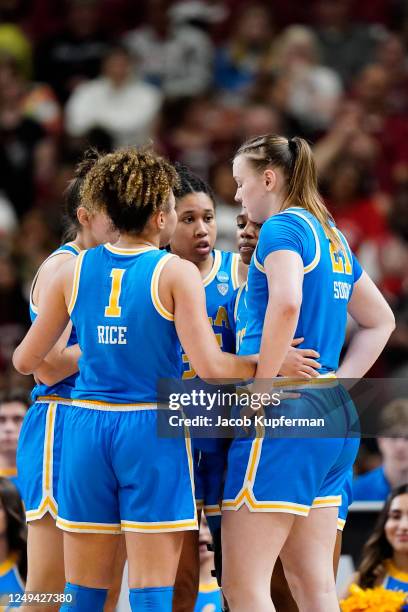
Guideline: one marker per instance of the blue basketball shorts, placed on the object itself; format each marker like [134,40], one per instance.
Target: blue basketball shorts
[297,455]
[39,456]
[118,474]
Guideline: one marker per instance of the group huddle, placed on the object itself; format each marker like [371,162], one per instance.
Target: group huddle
[137,294]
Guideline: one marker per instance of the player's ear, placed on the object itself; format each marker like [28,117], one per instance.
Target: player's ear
[160,220]
[269,179]
[83,216]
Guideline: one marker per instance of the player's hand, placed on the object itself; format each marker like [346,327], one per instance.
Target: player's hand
[300,363]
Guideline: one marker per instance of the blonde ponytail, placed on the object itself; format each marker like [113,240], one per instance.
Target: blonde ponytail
[295,158]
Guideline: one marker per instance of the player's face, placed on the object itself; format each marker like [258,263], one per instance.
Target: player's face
[252,191]
[396,526]
[196,229]
[170,217]
[247,236]
[11,418]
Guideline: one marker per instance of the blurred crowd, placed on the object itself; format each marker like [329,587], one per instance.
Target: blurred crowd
[196,78]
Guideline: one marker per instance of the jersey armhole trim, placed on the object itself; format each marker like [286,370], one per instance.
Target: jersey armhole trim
[234,270]
[60,251]
[215,267]
[312,265]
[238,297]
[257,263]
[75,284]
[154,288]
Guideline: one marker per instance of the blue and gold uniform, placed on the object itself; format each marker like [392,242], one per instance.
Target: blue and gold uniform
[10,581]
[40,441]
[117,473]
[210,454]
[209,598]
[261,470]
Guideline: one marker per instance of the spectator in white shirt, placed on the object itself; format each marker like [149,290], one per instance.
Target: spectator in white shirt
[123,106]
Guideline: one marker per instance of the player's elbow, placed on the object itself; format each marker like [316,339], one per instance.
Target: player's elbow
[21,363]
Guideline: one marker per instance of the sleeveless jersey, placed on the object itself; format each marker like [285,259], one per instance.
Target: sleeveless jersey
[219,285]
[127,337]
[329,277]
[64,387]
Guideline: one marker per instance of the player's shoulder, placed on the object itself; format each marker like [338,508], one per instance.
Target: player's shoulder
[54,263]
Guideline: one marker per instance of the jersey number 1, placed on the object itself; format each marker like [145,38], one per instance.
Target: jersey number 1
[113,309]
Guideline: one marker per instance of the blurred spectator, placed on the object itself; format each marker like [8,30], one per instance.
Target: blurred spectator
[273,90]
[314,90]
[26,155]
[373,92]
[384,559]
[13,309]
[346,47]
[13,540]
[391,56]
[190,140]
[377,484]
[123,106]
[8,218]
[74,54]
[175,56]
[13,42]
[239,61]
[37,100]
[13,408]
[224,187]
[209,593]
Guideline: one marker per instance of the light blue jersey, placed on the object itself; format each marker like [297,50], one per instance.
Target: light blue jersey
[64,387]
[120,320]
[117,474]
[209,598]
[219,286]
[329,278]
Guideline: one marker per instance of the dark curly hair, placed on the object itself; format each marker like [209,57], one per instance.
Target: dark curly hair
[130,185]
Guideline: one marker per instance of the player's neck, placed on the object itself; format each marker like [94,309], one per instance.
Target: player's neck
[205,266]
[131,241]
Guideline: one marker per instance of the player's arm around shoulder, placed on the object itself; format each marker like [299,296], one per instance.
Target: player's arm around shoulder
[181,291]
[51,321]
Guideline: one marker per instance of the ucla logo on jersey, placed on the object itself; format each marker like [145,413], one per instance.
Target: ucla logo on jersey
[223,288]
[223,277]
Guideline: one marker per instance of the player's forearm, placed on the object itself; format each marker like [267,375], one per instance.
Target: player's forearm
[364,349]
[53,370]
[279,329]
